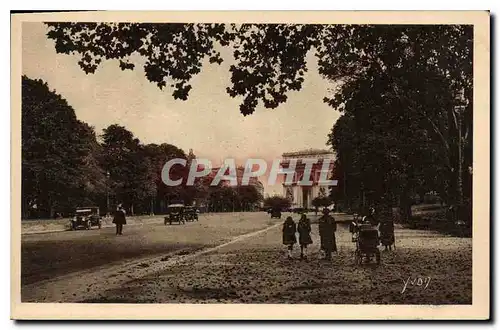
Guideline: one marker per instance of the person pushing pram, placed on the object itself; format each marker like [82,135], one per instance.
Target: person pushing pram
[385,228]
[365,222]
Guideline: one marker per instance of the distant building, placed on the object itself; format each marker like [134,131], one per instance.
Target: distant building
[302,195]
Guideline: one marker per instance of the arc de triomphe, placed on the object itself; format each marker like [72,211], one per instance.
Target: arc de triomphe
[300,193]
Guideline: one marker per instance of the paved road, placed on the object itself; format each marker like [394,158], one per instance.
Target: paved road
[47,255]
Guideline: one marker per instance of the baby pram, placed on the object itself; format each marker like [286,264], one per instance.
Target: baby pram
[367,241]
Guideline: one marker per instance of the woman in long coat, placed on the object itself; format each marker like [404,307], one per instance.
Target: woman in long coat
[304,230]
[119,219]
[386,234]
[289,238]
[327,228]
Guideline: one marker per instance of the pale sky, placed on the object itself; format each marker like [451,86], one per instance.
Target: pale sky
[209,122]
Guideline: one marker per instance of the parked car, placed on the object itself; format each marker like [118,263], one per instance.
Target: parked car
[276,213]
[86,218]
[175,213]
[191,213]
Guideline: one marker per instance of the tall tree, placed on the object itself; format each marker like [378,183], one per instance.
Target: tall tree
[130,169]
[59,166]
[248,197]
[158,155]
[425,71]
[380,146]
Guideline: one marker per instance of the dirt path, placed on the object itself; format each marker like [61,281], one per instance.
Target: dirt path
[256,271]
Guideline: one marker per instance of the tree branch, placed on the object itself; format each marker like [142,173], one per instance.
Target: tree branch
[440,135]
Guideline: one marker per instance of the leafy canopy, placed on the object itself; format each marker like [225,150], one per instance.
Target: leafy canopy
[269,59]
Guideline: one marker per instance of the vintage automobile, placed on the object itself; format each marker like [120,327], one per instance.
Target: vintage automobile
[190,213]
[86,218]
[276,213]
[175,213]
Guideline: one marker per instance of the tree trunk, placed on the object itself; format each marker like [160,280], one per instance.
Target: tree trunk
[460,192]
[51,208]
[385,207]
[405,208]
[25,207]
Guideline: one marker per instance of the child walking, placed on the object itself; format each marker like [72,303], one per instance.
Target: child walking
[304,230]
[289,238]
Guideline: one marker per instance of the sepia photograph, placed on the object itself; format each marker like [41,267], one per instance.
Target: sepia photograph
[309,165]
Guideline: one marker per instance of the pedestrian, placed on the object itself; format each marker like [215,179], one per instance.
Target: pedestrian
[327,228]
[119,219]
[386,233]
[304,230]
[370,218]
[289,238]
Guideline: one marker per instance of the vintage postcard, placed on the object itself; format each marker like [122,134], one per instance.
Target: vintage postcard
[251,165]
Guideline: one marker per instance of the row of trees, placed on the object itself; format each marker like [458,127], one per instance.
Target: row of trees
[277,202]
[404,91]
[65,164]
[230,199]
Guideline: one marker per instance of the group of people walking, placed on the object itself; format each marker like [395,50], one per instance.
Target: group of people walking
[327,228]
